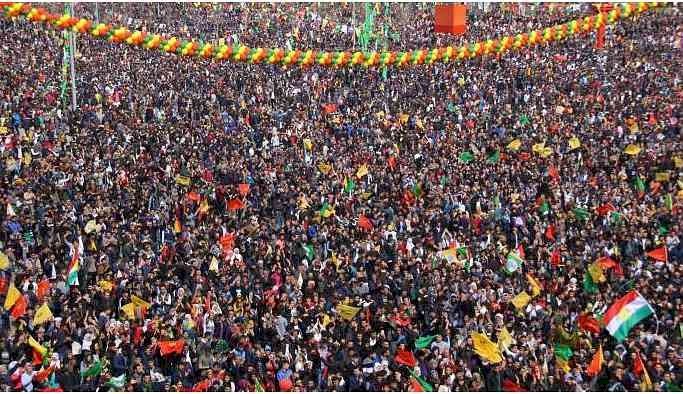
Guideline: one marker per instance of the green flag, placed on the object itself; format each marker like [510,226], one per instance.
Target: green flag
[466,157]
[495,156]
[524,120]
[544,209]
[310,252]
[563,351]
[93,370]
[615,218]
[423,383]
[117,382]
[258,387]
[423,342]
[668,202]
[588,284]
[417,190]
[349,185]
[581,214]
[639,184]
[326,211]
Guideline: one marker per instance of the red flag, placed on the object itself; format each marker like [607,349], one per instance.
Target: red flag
[405,357]
[589,323]
[606,263]
[42,375]
[4,282]
[235,204]
[391,162]
[171,347]
[243,189]
[207,175]
[408,198]
[207,302]
[194,196]
[227,241]
[552,171]
[202,386]
[510,386]
[37,357]
[401,320]
[520,251]
[555,258]
[43,288]
[596,364]
[600,38]
[638,366]
[415,386]
[659,254]
[605,209]
[365,223]
[550,232]
[19,308]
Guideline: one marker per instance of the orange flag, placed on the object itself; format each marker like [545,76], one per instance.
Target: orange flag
[19,308]
[171,347]
[43,288]
[391,162]
[596,364]
[659,254]
[364,223]
[194,196]
[243,189]
[235,204]
[227,241]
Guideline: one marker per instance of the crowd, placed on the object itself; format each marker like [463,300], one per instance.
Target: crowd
[208,226]
[330,26]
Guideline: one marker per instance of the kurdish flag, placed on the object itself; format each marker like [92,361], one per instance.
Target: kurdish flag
[624,314]
[72,269]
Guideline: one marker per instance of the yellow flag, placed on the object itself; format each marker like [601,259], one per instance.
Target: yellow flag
[678,162]
[347,312]
[303,203]
[326,320]
[485,348]
[538,148]
[40,349]
[204,206]
[90,226]
[595,270]
[105,285]
[214,264]
[632,150]
[521,300]
[324,168]
[42,315]
[403,118]
[12,296]
[362,171]
[4,261]
[515,144]
[308,144]
[183,180]
[140,302]
[129,309]
[562,364]
[535,286]
[504,339]
[574,143]
[662,176]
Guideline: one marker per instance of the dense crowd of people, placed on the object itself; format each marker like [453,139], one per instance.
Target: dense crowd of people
[206,226]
